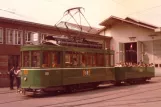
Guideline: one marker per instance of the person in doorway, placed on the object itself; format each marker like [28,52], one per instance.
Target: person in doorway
[11,76]
[18,78]
[75,63]
[83,63]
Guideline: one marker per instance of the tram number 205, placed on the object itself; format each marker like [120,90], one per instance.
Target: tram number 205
[86,72]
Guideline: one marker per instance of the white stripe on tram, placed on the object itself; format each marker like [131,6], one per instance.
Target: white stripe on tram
[63,68]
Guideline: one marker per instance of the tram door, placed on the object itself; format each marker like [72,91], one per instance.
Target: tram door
[121,52]
[131,52]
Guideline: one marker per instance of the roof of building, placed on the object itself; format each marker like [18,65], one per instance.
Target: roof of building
[141,22]
[113,19]
[28,23]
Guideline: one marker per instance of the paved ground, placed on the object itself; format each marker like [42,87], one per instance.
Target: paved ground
[141,95]
[7,90]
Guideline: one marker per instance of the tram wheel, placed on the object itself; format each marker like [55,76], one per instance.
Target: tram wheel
[71,89]
[117,83]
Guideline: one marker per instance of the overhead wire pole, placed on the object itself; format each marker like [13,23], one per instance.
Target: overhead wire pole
[65,14]
[72,12]
[57,23]
[73,15]
[78,10]
[74,19]
[80,23]
[86,21]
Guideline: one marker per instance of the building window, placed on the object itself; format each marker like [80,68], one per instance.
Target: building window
[14,37]
[18,37]
[28,36]
[31,37]
[1,35]
[43,35]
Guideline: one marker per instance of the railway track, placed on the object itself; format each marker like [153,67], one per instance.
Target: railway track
[6,92]
[105,97]
[16,98]
[94,102]
[102,97]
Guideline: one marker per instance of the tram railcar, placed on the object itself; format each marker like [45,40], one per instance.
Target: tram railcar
[46,68]
[132,75]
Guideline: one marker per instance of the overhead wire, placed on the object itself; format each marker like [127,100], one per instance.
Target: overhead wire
[140,12]
[137,12]
[121,1]
[10,12]
[15,13]
[144,10]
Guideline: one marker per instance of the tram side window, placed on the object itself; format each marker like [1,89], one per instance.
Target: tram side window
[75,60]
[46,59]
[71,59]
[35,59]
[67,60]
[55,59]
[89,59]
[94,56]
[25,59]
[83,60]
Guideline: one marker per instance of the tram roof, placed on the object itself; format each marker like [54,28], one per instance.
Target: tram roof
[63,48]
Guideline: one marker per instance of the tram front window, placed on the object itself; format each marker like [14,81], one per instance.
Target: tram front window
[107,57]
[112,60]
[35,59]
[26,59]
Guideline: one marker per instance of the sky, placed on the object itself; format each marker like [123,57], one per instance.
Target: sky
[51,11]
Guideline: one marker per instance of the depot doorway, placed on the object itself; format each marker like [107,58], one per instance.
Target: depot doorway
[131,52]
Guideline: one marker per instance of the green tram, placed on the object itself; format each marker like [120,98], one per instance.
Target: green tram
[46,68]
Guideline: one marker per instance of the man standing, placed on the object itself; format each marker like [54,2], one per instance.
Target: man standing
[18,78]
[11,76]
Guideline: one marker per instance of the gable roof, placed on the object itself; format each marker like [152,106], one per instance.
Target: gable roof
[113,19]
[141,22]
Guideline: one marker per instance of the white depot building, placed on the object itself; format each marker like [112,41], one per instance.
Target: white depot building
[133,40]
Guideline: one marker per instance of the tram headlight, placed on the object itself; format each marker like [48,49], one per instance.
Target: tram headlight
[25,72]
[25,78]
